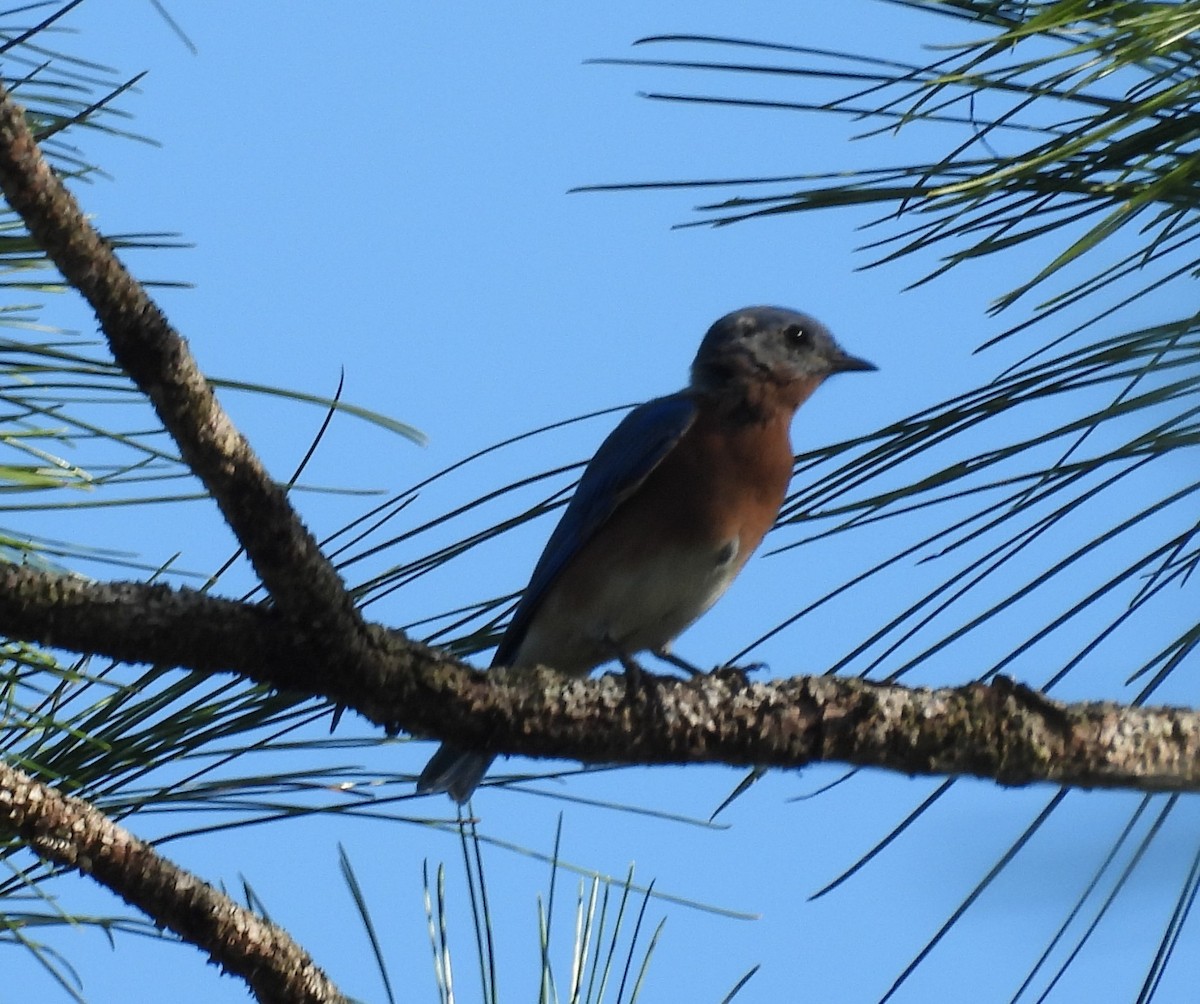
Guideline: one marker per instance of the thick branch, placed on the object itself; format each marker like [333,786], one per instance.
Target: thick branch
[70,832]
[284,554]
[1003,731]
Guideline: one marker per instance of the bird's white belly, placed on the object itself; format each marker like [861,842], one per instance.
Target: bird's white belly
[632,610]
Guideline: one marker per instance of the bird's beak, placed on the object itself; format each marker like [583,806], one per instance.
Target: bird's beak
[844,363]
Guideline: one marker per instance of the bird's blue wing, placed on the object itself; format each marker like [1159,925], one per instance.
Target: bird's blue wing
[625,459]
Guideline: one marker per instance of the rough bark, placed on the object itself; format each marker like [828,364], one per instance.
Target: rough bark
[71,833]
[300,580]
[1002,731]
[284,554]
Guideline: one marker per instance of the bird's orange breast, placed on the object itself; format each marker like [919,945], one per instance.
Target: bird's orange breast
[723,481]
[669,551]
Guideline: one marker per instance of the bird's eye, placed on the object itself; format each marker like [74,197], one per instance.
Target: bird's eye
[796,336]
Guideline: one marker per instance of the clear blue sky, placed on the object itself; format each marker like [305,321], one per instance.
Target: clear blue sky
[383,188]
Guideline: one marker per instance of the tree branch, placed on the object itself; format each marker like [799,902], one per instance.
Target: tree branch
[70,832]
[285,555]
[1003,731]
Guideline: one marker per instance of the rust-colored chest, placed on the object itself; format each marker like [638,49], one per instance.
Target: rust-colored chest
[724,480]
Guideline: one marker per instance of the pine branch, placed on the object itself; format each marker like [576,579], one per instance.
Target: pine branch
[70,832]
[1002,731]
[301,581]
[285,555]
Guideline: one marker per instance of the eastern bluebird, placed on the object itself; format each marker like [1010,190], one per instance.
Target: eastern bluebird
[667,512]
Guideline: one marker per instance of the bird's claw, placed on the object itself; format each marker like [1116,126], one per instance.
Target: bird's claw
[677,661]
[739,675]
[638,682]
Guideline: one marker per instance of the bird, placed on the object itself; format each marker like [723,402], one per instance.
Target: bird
[667,512]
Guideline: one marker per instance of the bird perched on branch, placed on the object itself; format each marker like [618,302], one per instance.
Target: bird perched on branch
[667,512]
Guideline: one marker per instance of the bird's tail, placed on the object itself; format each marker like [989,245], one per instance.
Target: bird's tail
[454,771]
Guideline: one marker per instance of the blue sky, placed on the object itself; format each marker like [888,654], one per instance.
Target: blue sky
[383,189]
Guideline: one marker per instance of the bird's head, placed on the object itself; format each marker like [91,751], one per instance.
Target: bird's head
[769,346]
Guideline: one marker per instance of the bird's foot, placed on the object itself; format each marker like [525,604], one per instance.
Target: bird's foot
[725,669]
[638,683]
[739,675]
[679,663]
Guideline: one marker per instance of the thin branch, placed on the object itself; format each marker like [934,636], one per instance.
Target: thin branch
[285,555]
[1003,731]
[70,832]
